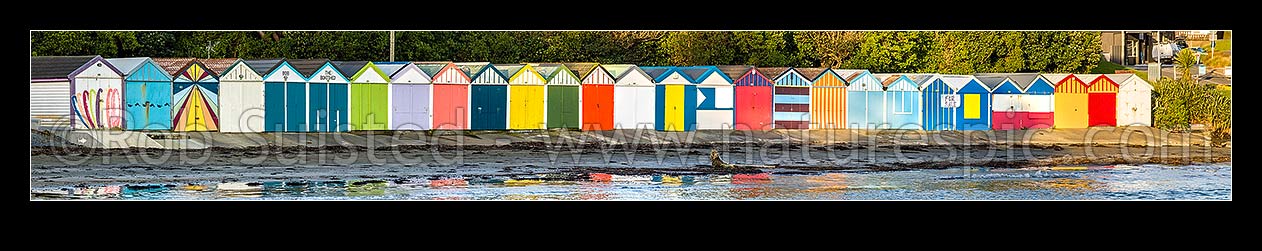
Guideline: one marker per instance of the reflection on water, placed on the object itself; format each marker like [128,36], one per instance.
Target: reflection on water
[1051,183]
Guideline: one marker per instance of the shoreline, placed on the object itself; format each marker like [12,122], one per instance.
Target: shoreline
[70,166]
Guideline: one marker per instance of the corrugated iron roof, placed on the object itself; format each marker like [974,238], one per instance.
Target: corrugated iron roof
[959,81]
[1119,78]
[349,68]
[431,69]
[920,79]
[507,70]
[1056,77]
[694,72]
[992,81]
[547,70]
[655,71]
[173,65]
[1122,79]
[811,73]
[127,65]
[390,68]
[56,67]
[618,71]
[308,67]
[773,72]
[1087,78]
[262,66]
[581,70]
[734,72]
[471,69]
[217,65]
[848,74]
[1022,80]
[886,78]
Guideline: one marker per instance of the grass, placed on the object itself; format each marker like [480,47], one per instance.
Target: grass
[1106,67]
[1224,44]
[1219,59]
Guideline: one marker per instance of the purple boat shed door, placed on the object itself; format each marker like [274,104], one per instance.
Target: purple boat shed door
[411,107]
[410,103]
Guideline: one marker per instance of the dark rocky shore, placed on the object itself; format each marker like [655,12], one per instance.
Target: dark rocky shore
[58,160]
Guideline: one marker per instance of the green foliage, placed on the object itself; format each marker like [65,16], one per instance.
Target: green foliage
[1184,62]
[765,48]
[828,49]
[960,52]
[1106,67]
[1174,104]
[886,51]
[699,47]
[1061,51]
[1182,102]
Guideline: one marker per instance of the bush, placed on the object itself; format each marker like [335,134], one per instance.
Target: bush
[1182,102]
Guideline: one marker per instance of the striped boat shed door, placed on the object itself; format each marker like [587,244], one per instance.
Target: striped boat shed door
[792,98]
[828,100]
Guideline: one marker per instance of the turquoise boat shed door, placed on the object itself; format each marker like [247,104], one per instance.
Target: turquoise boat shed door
[318,113]
[490,107]
[327,99]
[488,96]
[295,107]
[339,104]
[284,99]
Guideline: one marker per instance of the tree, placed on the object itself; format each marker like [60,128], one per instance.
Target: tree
[894,51]
[763,48]
[959,52]
[830,49]
[1184,61]
[699,48]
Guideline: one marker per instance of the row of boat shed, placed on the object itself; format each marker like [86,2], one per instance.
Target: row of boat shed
[319,95]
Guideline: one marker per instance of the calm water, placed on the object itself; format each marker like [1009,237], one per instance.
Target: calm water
[1148,182]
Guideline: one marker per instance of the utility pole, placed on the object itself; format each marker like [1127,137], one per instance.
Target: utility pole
[391,46]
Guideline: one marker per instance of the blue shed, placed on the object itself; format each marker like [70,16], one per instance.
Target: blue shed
[146,94]
[284,97]
[1019,100]
[956,102]
[328,95]
[714,97]
[865,101]
[488,96]
[675,100]
[903,100]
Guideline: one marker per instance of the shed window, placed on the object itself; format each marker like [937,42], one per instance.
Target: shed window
[903,102]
